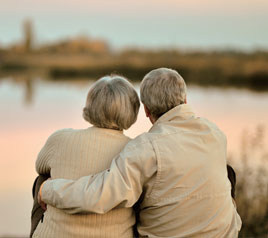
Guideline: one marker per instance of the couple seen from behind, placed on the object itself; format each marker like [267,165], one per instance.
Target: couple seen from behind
[171,181]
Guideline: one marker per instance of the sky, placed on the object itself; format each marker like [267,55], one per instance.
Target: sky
[205,24]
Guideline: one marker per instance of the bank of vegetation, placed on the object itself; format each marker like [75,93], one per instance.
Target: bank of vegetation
[85,57]
[252,185]
[218,68]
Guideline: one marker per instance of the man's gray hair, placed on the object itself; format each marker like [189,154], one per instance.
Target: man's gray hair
[112,102]
[161,90]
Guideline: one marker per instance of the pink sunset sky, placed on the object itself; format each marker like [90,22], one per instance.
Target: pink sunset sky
[148,23]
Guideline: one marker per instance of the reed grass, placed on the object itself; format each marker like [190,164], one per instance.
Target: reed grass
[252,185]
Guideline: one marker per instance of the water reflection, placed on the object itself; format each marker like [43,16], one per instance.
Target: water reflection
[31,109]
[29,90]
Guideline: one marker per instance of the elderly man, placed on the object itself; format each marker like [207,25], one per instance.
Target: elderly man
[177,171]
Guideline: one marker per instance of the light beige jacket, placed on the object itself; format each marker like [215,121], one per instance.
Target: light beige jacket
[71,154]
[177,169]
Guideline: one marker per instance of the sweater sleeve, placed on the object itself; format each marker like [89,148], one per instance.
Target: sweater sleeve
[119,186]
[43,162]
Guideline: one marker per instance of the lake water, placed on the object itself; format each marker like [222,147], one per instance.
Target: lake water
[30,110]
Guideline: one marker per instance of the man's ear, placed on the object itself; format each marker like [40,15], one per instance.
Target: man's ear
[147,112]
[185,99]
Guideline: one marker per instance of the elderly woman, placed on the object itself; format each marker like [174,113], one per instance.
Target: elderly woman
[112,105]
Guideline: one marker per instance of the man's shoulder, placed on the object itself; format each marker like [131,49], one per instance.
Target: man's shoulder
[140,151]
[213,127]
[142,146]
[140,141]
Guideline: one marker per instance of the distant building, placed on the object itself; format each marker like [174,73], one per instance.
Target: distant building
[27,43]
[28,35]
[81,44]
[76,45]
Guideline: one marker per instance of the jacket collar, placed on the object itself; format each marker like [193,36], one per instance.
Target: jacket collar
[180,112]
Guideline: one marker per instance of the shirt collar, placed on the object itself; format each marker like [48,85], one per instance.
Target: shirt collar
[180,112]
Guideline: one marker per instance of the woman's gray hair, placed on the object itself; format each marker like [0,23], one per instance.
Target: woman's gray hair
[161,90]
[112,102]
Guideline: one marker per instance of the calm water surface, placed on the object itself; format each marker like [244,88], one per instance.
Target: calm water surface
[30,110]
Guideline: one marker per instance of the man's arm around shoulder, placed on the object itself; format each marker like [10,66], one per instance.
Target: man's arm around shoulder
[119,186]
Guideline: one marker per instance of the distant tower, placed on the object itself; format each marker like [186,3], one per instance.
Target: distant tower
[28,35]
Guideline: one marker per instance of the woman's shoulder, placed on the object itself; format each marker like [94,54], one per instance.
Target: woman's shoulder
[109,133]
[60,133]
[101,133]
[63,131]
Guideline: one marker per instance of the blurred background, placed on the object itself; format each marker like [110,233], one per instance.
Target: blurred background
[52,51]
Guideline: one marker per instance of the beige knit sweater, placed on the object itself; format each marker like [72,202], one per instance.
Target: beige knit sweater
[72,154]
